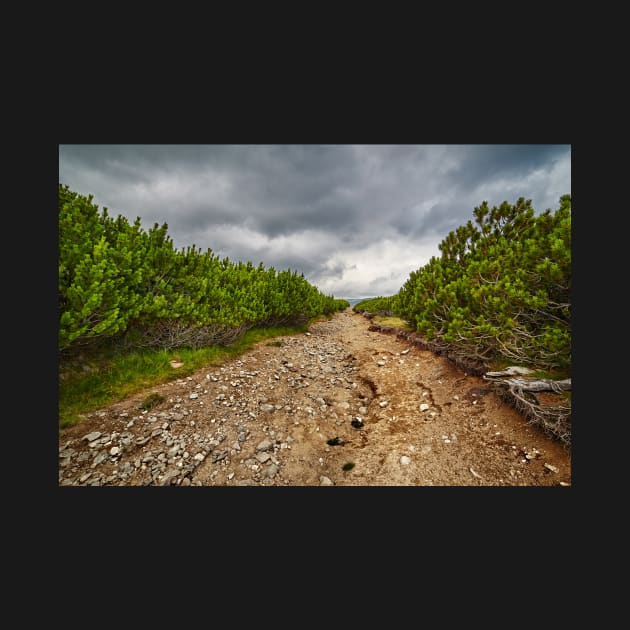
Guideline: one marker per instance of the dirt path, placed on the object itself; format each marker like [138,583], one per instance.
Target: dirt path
[266,418]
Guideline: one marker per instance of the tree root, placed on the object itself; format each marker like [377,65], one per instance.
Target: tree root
[518,392]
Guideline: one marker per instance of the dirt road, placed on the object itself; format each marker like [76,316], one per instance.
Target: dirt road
[339,405]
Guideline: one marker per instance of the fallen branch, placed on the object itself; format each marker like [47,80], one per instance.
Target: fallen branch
[527,385]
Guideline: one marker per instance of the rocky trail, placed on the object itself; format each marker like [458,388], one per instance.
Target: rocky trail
[339,405]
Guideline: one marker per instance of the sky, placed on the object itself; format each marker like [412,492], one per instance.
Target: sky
[356,220]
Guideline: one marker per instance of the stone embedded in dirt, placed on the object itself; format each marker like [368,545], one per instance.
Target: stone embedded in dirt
[193,396]
[169,476]
[424,407]
[552,468]
[380,363]
[267,407]
[383,404]
[265,445]
[405,351]
[114,450]
[91,437]
[101,457]
[325,481]
[405,461]
[263,457]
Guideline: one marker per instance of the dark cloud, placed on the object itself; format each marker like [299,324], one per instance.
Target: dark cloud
[318,209]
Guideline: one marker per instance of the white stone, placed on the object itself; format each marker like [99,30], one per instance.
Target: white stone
[405,461]
[424,407]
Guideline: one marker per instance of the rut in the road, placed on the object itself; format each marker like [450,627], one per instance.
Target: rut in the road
[303,412]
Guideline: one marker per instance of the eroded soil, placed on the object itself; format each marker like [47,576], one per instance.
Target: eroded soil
[402,416]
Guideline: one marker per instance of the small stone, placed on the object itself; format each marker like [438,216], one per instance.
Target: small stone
[564,483]
[380,363]
[90,437]
[405,461]
[325,481]
[424,407]
[551,468]
[476,474]
[267,407]
[405,351]
[193,396]
[114,450]
[169,476]
[456,397]
[383,404]
[263,457]
[265,445]
[101,457]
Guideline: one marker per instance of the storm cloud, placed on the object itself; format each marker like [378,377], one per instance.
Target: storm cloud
[355,219]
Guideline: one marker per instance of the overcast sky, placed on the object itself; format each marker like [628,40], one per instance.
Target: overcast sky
[355,219]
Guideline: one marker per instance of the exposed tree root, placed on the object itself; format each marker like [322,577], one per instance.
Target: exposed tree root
[555,420]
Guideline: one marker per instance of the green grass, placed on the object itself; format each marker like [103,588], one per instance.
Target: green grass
[116,375]
[393,322]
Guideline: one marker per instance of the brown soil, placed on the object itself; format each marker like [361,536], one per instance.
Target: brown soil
[266,419]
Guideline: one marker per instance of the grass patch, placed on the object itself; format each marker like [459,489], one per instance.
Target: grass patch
[393,322]
[277,344]
[115,374]
[151,401]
